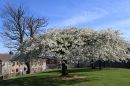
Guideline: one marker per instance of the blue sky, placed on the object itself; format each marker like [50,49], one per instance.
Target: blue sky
[96,14]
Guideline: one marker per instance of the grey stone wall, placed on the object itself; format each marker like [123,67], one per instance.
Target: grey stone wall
[9,69]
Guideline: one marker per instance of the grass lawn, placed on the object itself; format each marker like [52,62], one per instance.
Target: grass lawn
[85,77]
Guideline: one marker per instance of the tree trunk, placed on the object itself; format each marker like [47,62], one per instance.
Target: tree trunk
[104,64]
[78,65]
[28,68]
[92,64]
[0,68]
[64,68]
[100,64]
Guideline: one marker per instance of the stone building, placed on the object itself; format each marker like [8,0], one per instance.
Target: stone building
[10,68]
[38,65]
[5,64]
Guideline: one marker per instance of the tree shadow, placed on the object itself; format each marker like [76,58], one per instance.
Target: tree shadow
[76,70]
[50,78]
[73,70]
[82,70]
[43,80]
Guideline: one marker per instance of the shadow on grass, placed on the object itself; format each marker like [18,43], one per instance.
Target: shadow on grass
[43,80]
[49,78]
[75,70]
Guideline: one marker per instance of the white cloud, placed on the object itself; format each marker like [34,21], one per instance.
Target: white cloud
[122,25]
[83,17]
[118,24]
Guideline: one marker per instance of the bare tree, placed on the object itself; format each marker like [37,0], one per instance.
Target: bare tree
[13,25]
[17,26]
[35,25]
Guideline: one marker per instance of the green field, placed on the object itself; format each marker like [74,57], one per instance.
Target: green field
[79,77]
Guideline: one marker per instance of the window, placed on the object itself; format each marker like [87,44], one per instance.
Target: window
[17,70]
[17,63]
[13,63]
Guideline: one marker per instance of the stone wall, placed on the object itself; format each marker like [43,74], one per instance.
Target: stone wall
[10,69]
[38,65]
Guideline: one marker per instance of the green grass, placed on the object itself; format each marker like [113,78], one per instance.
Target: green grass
[106,77]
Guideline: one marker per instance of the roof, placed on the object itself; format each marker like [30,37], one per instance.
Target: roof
[5,57]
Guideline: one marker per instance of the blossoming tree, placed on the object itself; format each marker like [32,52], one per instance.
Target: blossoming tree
[72,45]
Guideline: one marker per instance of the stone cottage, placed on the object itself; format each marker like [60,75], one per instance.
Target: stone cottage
[10,68]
